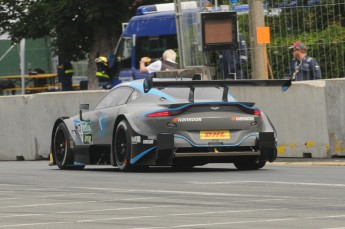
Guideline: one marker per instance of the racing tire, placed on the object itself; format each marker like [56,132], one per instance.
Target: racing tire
[122,146]
[62,151]
[249,164]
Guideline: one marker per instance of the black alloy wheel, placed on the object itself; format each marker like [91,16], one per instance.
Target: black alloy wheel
[122,146]
[61,147]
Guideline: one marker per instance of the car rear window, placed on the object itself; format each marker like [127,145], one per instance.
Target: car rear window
[200,94]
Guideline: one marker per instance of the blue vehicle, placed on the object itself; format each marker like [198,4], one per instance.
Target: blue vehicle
[167,122]
[149,33]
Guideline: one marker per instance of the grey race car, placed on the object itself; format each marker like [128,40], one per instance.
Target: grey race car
[179,123]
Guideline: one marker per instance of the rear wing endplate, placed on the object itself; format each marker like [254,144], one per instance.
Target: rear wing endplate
[192,84]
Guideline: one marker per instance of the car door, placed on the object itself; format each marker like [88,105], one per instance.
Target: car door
[105,113]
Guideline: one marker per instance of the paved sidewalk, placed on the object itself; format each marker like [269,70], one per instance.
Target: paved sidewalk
[311,161]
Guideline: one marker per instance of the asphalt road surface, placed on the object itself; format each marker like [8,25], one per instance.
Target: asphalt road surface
[216,196]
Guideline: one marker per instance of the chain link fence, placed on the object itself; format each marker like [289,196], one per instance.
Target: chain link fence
[320,24]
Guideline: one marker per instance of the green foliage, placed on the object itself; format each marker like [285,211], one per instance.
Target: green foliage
[73,26]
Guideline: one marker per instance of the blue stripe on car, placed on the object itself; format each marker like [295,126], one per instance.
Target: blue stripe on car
[195,145]
[153,91]
[136,158]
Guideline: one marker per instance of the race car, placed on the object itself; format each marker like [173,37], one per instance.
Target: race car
[168,122]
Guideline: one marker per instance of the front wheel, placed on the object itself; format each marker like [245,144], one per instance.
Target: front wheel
[122,146]
[61,147]
[249,164]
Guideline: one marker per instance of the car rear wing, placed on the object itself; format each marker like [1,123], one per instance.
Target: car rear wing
[192,84]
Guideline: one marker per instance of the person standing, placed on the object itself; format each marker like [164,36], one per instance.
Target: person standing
[232,61]
[65,72]
[303,67]
[107,70]
[168,62]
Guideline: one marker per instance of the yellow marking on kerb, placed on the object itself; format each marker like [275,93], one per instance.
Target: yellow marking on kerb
[281,149]
[310,144]
[327,147]
[293,146]
[338,147]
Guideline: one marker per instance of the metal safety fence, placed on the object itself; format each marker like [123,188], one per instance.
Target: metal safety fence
[320,24]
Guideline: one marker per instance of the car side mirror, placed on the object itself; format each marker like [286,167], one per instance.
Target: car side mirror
[81,108]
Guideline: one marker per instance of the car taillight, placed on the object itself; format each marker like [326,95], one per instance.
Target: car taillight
[256,112]
[164,113]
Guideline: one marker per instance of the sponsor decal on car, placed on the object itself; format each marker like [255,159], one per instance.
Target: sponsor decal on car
[85,131]
[148,142]
[187,120]
[237,118]
[136,139]
[214,134]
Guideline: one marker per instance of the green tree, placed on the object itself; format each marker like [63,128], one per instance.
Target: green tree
[79,29]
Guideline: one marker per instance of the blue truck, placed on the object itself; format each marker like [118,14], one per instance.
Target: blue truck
[149,33]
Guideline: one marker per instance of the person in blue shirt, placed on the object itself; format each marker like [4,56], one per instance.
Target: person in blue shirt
[303,67]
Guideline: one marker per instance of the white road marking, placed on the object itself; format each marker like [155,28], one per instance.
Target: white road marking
[181,226]
[196,193]
[170,192]
[22,215]
[32,224]
[334,228]
[49,196]
[186,214]
[120,218]
[77,202]
[246,222]
[115,209]
[266,182]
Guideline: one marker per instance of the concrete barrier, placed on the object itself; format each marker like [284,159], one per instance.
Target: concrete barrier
[309,118]
[27,121]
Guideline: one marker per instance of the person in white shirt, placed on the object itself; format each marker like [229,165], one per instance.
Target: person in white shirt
[167,62]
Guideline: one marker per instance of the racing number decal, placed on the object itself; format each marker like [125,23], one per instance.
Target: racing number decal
[86,132]
[214,134]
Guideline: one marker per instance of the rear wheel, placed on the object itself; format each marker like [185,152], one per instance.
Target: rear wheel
[249,164]
[122,146]
[61,147]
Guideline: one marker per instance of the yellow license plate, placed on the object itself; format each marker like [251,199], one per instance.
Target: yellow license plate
[214,134]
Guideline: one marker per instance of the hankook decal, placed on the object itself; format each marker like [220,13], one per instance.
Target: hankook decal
[234,118]
[187,120]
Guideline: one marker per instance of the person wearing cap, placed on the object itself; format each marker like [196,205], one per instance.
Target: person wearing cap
[303,67]
[167,62]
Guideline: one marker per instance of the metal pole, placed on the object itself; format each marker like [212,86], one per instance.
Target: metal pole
[22,64]
[256,19]
[178,31]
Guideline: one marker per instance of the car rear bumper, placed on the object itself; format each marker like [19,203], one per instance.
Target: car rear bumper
[164,149]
